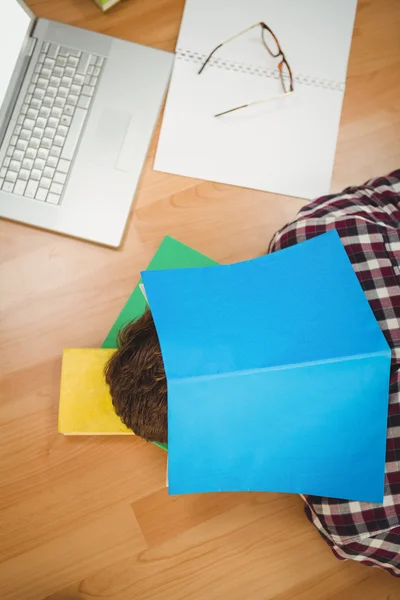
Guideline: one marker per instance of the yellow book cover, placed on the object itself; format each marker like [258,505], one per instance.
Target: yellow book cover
[85,402]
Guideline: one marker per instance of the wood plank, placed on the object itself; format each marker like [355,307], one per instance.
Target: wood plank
[90,546]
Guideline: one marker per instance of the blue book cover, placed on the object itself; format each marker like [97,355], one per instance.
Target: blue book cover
[277,375]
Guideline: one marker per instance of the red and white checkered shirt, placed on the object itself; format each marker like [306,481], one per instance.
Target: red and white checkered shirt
[367,219]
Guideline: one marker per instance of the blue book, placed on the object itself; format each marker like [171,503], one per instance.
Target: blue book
[277,375]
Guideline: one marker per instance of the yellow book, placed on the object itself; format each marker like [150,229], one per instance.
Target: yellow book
[85,403]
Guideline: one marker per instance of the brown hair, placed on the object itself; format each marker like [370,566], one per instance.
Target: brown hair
[136,376]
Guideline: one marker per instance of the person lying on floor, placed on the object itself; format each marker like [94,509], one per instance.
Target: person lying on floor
[367,219]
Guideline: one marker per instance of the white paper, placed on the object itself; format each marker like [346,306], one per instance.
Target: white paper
[141,287]
[286,146]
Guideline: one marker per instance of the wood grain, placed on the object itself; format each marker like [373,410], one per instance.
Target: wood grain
[89,518]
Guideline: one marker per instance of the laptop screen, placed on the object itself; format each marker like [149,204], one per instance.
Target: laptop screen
[14,24]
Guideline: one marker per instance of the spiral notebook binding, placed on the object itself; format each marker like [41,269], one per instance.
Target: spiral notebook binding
[220,63]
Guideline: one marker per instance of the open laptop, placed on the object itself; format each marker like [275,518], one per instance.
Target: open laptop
[77,111]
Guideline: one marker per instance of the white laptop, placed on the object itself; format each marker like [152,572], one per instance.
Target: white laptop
[77,111]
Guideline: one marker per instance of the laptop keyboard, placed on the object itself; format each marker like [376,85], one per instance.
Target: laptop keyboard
[48,127]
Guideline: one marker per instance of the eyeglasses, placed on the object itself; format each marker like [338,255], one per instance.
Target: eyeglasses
[273,46]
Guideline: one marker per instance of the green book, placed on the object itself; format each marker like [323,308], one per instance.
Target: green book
[170,255]
[105,4]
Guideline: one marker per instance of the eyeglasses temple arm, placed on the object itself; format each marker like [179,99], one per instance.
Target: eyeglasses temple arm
[225,42]
[225,112]
[208,58]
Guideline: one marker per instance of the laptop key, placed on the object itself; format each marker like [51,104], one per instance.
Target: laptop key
[56,188]
[84,101]
[60,102]
[50,132]
[56,113]
[65,120]
[83,63]
[78,79]
[49,172]
[18,156]
[24,135]
[55,81]
[27,163]
[73,134]
[7,186]
[41,194]
[63,165]
[32,114]
[63,91]
[39,164]
[51,91]
[43,153]
[52,162]
[45,182]
[28,123]
[59,177]
[72,61]
[15,165]
[31,188]
[61,61]
[46,143]
[73,100]
[55,151]
[45,73]
[36,104]
[30,153]
[53,50]
[34,142]
[49,63]
[42,83]
[11,176]
[62,130]
[19,187]
[38,93]
[53,198]
[22,144]
[68,110]
[66,81]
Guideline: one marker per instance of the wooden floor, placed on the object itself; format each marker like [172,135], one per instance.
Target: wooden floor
[90,518]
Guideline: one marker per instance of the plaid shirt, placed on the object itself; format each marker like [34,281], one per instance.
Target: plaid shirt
[368,221]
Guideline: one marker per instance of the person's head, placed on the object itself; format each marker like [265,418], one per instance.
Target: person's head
[136,376]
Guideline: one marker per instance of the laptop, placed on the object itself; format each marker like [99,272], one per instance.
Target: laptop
[77,112]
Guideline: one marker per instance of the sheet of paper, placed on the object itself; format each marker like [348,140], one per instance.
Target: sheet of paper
[277,375]
[141,287]
[285,146]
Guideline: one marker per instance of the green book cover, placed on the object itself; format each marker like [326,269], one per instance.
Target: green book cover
[105,4]
[170,255]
